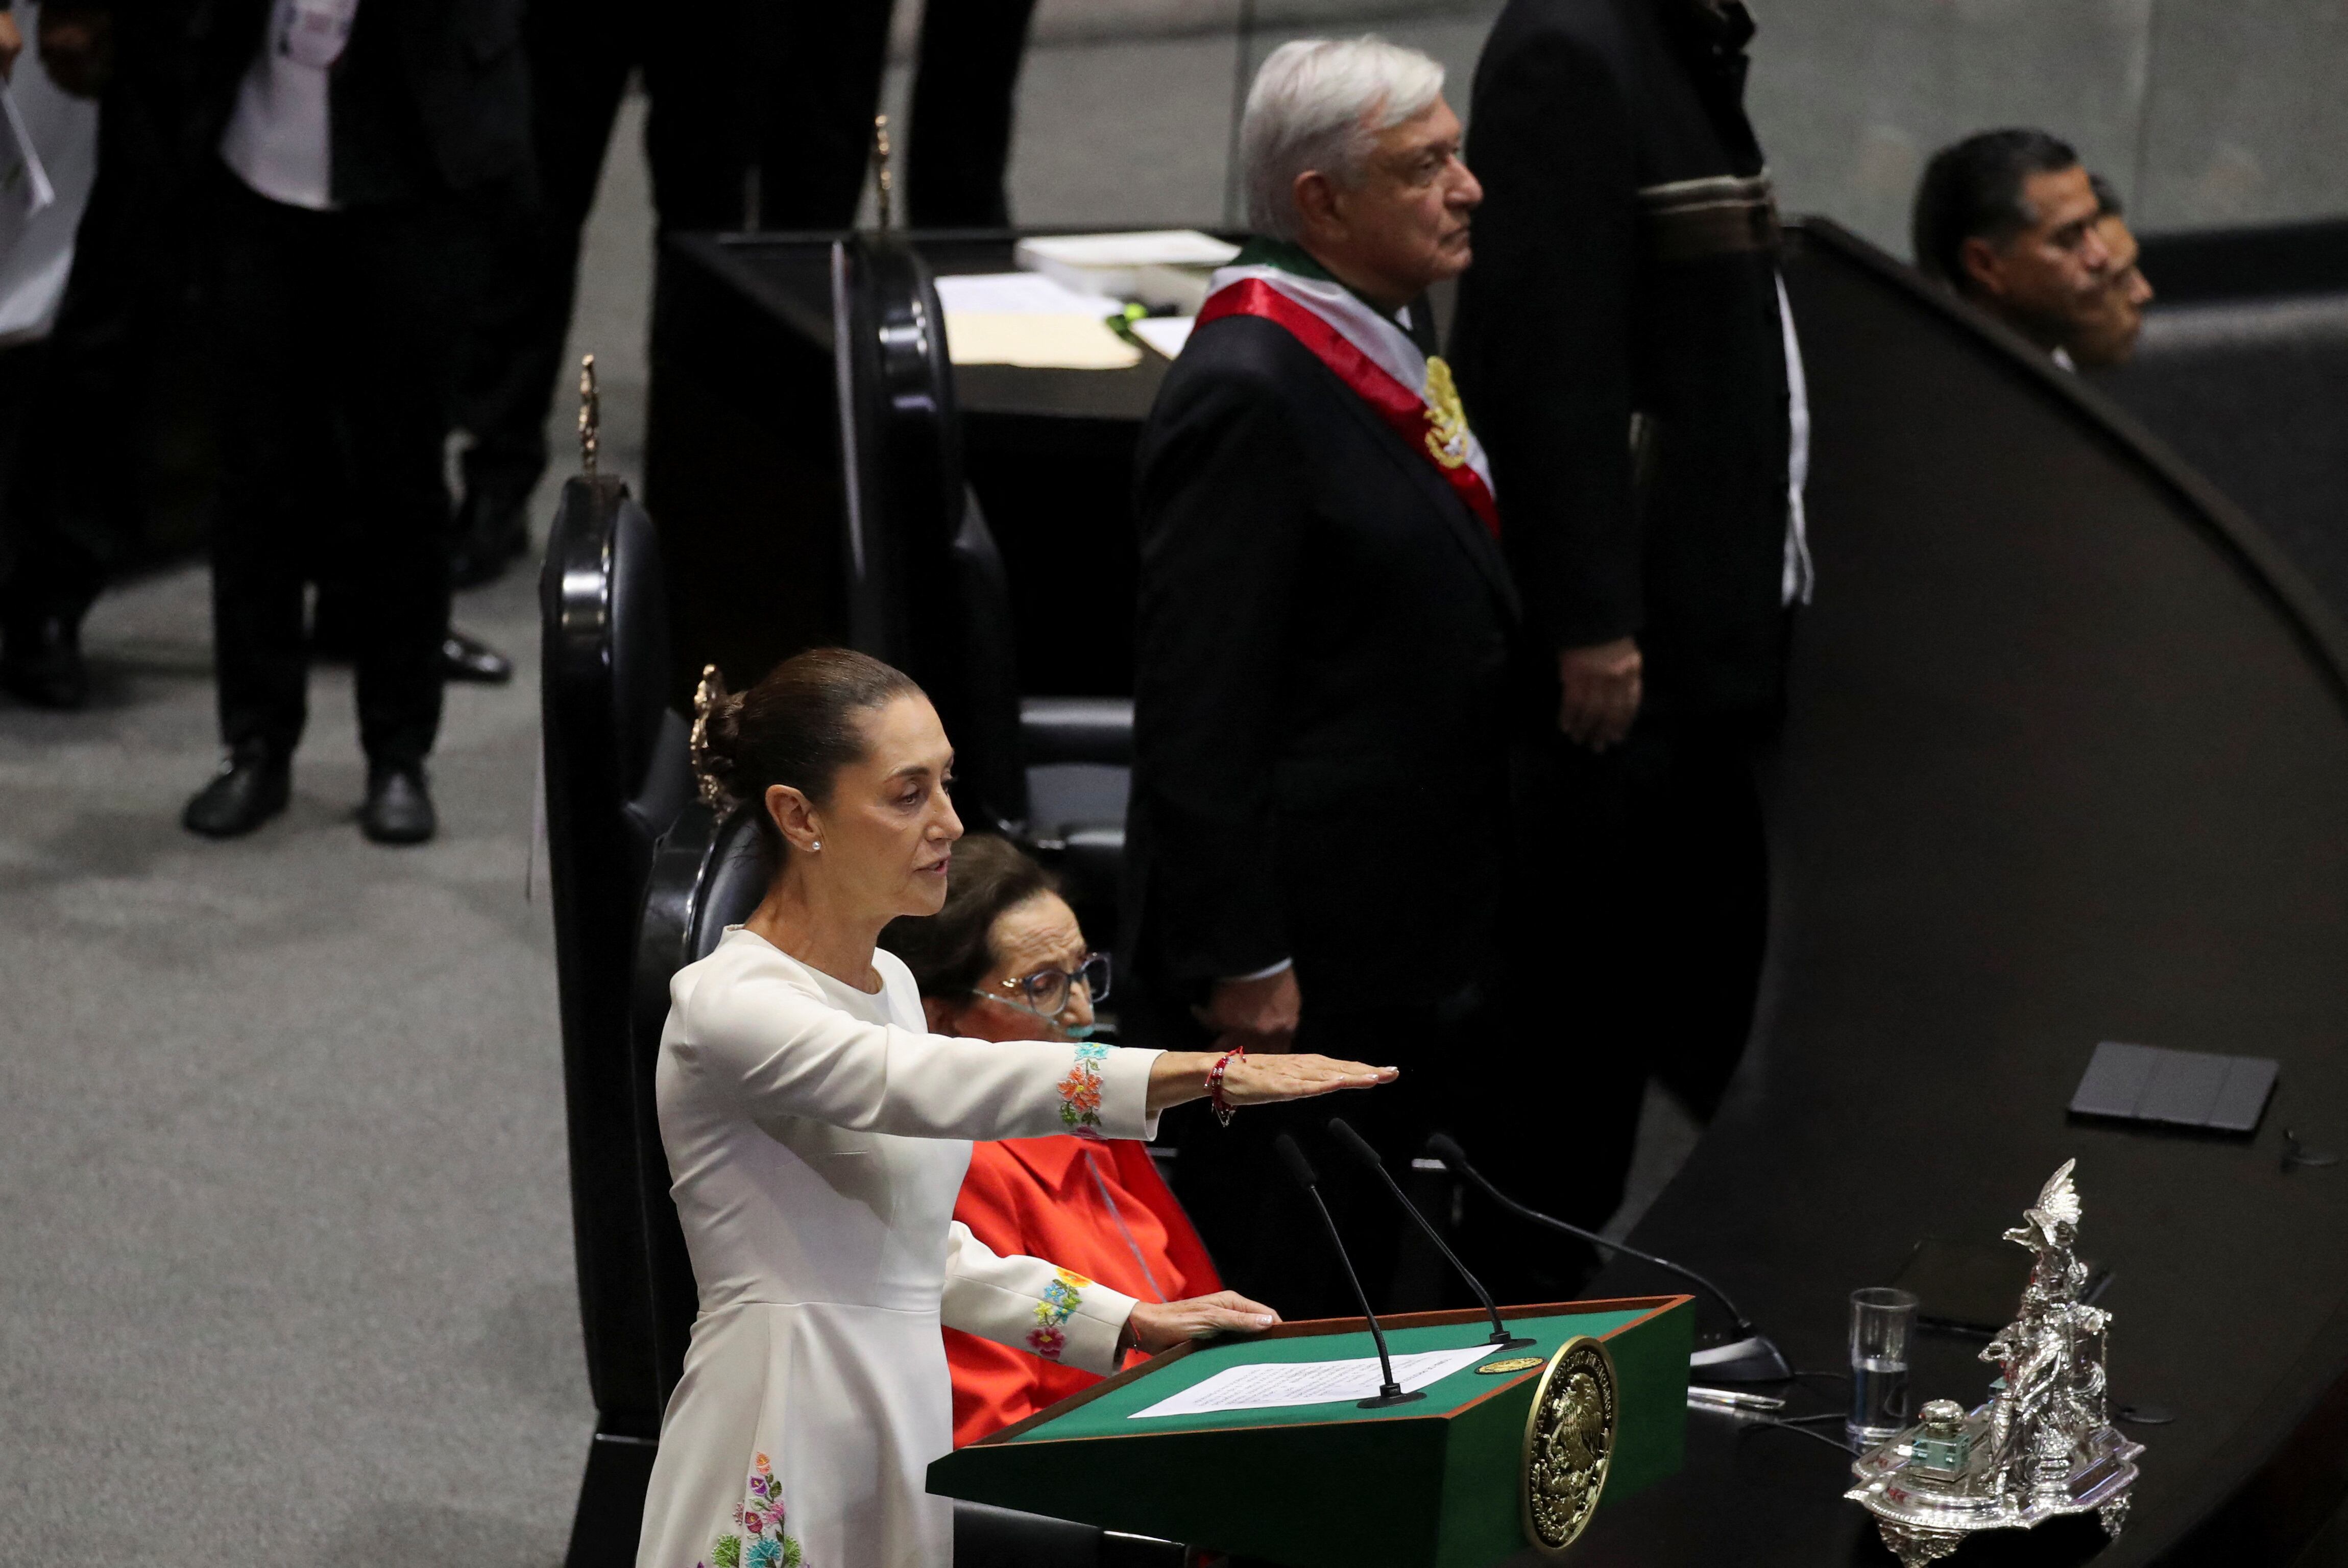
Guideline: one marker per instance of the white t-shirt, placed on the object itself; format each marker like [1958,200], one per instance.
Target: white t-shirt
[279,141]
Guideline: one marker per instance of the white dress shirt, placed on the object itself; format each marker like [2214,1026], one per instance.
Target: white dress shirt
[1800,578]
[279,141]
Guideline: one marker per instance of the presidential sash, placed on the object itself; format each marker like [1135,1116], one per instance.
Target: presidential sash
[1410,391]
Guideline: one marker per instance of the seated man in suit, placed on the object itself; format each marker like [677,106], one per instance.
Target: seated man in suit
[1325,624]
[1006,960]
[2011,221]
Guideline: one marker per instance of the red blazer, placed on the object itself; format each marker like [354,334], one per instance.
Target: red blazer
[1044,1197]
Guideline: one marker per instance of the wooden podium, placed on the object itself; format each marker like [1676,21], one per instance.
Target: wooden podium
[1435,1484]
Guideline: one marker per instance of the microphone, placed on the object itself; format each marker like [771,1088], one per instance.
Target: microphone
[1389,1392]
[1359,1147]
[1748,1356]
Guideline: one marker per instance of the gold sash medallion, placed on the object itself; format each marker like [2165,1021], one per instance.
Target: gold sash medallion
[1569,1442]
[1448,442]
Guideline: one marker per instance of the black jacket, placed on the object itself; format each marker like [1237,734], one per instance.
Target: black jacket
[1569,322]
[1324,630]
[428,96]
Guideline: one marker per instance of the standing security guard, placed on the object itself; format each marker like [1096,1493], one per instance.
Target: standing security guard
[1624,350]
[362,144]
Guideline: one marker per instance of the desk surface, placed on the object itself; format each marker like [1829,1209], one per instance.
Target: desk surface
[1112,1414]
[790,275]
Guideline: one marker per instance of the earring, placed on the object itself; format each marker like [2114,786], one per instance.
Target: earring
[815,844]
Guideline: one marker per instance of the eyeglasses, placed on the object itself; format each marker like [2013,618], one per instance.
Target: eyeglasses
[1047,990]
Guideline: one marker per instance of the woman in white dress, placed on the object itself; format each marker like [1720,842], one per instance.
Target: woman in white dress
[817,1134]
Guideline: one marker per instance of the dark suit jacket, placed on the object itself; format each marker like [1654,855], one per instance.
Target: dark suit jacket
[1324,629]
[429,96]
[1566,327]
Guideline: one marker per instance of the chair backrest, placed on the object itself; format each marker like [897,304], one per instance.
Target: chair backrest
[2242,367]
[926,589]
[707,875]
[615,776]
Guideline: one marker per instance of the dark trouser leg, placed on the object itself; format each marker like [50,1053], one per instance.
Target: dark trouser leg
[963,95]
[709,84]
[816,136]
[22,369]
[580,58]
[275,270]
[400,297]
[1696,818]
[75,504]
[1555,1124]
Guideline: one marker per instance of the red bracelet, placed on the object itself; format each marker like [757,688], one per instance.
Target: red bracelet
[1215,1084]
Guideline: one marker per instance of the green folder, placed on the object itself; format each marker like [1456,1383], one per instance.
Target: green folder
[1435,1484]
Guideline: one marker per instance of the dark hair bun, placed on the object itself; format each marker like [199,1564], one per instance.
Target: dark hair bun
[717,738]
[798,726]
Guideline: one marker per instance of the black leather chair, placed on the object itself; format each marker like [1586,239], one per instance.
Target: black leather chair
[928,591]
[616,774]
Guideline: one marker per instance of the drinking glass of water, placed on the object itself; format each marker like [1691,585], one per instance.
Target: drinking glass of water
[1880,1322]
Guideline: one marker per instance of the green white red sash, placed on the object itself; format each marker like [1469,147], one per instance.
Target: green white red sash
[1377,359]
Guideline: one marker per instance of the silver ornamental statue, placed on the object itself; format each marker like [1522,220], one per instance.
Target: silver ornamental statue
[2043,1445]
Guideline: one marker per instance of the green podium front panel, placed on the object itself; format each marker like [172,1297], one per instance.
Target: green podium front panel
[1434,1483]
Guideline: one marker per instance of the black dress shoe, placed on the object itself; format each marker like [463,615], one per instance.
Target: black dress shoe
[490,533]
[464,658]
[41,663]
[398,809]
[252,786]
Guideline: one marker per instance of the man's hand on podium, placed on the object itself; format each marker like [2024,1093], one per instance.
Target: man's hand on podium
[1157,1326]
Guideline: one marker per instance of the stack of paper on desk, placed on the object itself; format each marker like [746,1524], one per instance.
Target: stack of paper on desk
[1165,269]
[1030,320]
[1166,334]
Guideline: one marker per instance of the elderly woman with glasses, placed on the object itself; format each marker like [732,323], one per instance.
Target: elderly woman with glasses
[1005,959]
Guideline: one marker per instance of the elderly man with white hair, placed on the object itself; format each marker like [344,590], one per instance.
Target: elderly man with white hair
[1325,636]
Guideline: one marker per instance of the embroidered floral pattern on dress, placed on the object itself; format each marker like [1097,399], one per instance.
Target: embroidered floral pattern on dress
[1060,1299]
[760,1542]
[1080,1091]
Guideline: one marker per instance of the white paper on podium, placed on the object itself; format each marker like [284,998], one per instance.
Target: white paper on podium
[1271,1384]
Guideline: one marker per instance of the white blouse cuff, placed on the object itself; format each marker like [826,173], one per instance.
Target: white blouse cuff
[1090,1332]
[1116,1081]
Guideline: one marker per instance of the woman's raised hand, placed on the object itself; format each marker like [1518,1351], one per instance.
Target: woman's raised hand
[1265,1080]
[1181,1075]
[1157,1326]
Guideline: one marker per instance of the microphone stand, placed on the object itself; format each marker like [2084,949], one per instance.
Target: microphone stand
[1359,1147]
[1390,1391]
[1749,1356]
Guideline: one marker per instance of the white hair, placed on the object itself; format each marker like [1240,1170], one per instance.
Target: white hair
[1320,104]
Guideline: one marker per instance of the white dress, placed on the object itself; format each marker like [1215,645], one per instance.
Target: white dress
[817,1137]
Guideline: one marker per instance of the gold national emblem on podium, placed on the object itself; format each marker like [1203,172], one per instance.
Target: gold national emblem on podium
[1569,1442]
[1501,1368]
